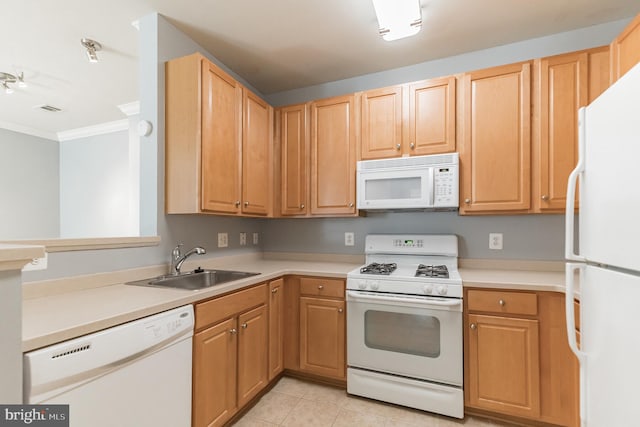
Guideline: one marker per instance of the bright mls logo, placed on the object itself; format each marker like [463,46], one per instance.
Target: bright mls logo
[34,415]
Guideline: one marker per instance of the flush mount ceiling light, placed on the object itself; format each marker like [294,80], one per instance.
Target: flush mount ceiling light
[7,79]
[398,19]
[92,47]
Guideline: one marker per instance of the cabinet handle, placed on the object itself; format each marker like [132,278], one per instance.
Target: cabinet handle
[274,290]
[545,197]
[244,325]
[412,145]
[233,331]
[246,203]
[321,287]
[467,201]
[502,302]
[238,204]
[350,205]
[302,206]
[340,310]
[472,326]
[397,146]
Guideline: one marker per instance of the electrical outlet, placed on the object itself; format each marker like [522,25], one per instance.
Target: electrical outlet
[255,238]
[495,241]
[37,263]
[223,240]
[349,238]
[243,238]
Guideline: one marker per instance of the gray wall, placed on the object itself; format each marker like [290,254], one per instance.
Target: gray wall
[29,177]
[94,186]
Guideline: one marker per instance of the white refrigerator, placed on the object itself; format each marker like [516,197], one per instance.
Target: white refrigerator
[608,259]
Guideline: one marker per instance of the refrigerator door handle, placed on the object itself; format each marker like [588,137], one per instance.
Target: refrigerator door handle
[569,215]
[571,334]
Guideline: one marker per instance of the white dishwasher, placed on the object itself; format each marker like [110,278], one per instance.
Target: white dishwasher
[137,374]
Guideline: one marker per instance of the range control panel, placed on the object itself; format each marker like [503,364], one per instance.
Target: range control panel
[408,243]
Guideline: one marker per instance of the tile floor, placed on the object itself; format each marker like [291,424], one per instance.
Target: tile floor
[293,402]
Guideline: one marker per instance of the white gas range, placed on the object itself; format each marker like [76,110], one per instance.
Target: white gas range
[404,323]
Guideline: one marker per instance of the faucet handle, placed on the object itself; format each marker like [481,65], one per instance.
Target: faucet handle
[177,251]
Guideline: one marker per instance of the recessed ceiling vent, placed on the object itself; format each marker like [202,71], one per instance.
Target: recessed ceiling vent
[47,107]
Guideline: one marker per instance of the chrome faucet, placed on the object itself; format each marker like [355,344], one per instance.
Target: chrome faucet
[177,258]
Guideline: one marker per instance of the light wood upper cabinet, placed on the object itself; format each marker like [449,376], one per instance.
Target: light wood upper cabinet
[219,140]
[625,50]
[333,159]
[294,161]
[496,142]
[414,119]
[257,137]
[563,84]
[381,130]
[276,327]
[432,117]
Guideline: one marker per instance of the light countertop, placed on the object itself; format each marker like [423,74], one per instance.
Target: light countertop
[89,304]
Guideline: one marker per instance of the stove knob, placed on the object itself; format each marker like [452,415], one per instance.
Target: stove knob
[442,289]
[362,284]
[427,289]
[374,285]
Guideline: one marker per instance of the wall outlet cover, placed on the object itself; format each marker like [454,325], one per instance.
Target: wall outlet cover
[37,263]
[495,241]
[349,238]
[255,238]
[223,240]
[243,239]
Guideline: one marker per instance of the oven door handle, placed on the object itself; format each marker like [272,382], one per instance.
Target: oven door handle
[422,301]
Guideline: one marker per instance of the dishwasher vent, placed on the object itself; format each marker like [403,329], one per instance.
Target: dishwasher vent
[78,349]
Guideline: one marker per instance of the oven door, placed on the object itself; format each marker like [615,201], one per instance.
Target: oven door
[412,336]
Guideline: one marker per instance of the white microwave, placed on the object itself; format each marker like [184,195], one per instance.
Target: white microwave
[417,182]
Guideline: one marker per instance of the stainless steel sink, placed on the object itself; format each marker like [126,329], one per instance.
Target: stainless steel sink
[198,279]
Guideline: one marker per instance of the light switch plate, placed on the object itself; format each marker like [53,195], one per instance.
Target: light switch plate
[255,238]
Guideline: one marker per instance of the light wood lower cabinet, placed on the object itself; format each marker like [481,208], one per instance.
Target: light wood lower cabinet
[276,327]
[517,359]
[322,337]
[230,354]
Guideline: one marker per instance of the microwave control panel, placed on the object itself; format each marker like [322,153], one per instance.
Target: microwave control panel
[445,186]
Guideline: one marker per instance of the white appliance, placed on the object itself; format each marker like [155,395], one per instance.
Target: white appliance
[417,182]
[137,374]
[609,255]
[404,323]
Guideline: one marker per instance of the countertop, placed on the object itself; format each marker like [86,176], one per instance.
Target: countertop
[86,305]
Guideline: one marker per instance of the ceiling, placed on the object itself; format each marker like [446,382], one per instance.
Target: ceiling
[275,45]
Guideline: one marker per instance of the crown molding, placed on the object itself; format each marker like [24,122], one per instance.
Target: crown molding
[101,129]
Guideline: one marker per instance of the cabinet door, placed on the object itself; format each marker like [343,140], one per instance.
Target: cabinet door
[214,374]
[256,159]
[294,163]
[625,50]
[252,353]
[504,365]
[381,124]
[221,142]
[495,156]
[598,71]
[432,116]
[333,163]
[563,86]
[276,327]
[322,337]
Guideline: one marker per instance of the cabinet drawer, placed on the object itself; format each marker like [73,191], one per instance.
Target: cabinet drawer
[322,287]
[218,309]
[503,302]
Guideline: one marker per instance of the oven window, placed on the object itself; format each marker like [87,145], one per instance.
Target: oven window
[402,333]
[393,188]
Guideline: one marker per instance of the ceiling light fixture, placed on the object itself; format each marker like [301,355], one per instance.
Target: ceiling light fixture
[92,47]
[398,19]
[7,79]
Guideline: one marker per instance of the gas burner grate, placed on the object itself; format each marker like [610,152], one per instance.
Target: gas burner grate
[377,268]
[439,271]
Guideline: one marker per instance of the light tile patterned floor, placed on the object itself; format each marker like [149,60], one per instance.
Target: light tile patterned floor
[293,402]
